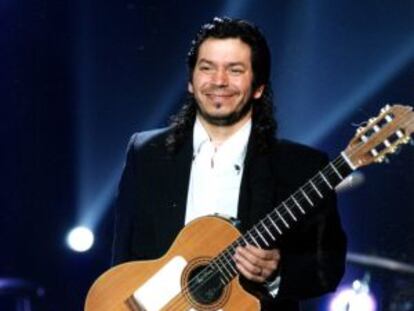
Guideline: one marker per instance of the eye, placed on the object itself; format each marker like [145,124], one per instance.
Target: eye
[205,68]
[236,70]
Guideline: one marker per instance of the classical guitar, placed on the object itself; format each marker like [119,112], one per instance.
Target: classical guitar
[198,272]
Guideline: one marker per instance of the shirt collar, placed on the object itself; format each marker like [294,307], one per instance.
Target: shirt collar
[200,136]
[235,146]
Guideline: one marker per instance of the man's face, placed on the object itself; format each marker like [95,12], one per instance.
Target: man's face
[222,81]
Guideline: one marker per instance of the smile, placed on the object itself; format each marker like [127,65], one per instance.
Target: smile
[219,95]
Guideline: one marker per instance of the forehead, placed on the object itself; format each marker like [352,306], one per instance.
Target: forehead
[229,50]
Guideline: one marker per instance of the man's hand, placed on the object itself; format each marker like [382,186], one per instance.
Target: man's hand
[256,264]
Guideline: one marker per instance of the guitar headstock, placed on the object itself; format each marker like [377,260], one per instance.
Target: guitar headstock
[381,135]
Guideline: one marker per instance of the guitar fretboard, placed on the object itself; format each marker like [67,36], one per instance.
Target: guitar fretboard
[283,217]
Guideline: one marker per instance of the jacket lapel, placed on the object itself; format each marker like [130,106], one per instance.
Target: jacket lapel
[257,194]
[180,168]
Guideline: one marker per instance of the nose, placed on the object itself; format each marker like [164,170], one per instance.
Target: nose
[221,78]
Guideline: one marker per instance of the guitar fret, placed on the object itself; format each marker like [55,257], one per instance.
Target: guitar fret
[283,219]
[239,242]
[325,180]
[336,171]
[232,249]
[261,236]
[289,211]
[316,189]
[267,230]
[254,240]
[297,203]
[274,224]
[244,241]
[306,197]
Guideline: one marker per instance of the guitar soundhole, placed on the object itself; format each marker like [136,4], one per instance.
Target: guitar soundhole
[205,286]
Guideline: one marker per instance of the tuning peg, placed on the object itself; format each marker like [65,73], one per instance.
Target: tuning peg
[371,120]
[385,108]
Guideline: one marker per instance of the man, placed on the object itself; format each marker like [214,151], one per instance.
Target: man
[220,156]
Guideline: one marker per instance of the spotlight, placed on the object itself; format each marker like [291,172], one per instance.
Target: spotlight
[355,298]
[80,239]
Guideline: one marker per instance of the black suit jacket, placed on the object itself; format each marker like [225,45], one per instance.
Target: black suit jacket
[152,200]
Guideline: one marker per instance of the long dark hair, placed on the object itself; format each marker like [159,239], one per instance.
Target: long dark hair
[264,124]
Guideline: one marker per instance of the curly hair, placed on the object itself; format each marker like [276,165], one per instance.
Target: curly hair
[264,124]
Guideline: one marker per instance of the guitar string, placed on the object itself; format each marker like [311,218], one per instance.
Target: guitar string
[301,200]
[279,215]
[190,288]
[259,231]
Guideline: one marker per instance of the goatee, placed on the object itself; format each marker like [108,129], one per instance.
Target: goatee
[228,119]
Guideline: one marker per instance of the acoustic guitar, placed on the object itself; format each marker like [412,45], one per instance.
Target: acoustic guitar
[199,273]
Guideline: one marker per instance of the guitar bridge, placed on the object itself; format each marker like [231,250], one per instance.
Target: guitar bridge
[134,305]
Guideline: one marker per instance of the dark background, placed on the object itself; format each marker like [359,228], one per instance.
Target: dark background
[77,78]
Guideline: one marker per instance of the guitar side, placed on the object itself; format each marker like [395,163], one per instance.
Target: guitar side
[199,241]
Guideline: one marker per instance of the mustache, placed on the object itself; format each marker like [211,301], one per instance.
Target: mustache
[219,90]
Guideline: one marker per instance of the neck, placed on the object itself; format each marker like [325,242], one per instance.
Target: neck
[219,133]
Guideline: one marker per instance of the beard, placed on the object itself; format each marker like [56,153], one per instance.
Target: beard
[228,119]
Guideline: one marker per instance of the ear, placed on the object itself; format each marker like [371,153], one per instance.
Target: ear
[258,92]
[190,87]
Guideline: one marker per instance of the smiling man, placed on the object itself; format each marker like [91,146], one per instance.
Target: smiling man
[220,155]
[222,84]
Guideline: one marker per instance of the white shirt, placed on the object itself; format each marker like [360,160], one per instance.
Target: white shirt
[216,173]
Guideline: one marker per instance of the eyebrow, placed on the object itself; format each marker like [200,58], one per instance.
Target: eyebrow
[232,64]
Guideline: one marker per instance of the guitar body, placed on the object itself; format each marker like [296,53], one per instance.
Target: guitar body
[163,284]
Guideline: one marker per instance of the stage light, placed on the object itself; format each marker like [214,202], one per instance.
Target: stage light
[80,239]
[355,298]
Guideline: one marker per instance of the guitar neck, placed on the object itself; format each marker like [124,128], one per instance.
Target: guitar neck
[286,215]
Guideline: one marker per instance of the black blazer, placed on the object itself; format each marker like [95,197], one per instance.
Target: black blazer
[152,200]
